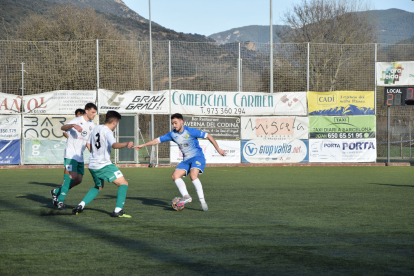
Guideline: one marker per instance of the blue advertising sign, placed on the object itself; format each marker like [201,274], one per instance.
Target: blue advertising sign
[9,152]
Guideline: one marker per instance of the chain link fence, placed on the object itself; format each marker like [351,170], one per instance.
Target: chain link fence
[239,66]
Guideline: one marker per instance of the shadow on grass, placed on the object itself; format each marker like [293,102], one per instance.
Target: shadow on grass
[53,185]
[155,202]
[187,263]
[392,185]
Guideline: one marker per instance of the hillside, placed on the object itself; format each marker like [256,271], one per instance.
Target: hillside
[128,22]
[254,33]
[394,26]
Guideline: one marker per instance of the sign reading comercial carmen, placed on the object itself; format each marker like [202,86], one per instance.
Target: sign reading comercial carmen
[238,103]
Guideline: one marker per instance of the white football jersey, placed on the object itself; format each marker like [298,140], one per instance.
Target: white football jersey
[101,141]
[76,143]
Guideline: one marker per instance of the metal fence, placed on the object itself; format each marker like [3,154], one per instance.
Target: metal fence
[36,67]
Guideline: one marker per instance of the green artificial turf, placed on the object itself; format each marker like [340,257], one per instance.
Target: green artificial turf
[261,221]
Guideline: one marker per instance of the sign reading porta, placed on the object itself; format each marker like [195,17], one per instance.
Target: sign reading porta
[342,150]
[221,128]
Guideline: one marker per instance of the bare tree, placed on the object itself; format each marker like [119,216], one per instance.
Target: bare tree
[59,51]
[321,22]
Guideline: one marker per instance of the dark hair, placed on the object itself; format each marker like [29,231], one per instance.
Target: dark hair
[111,116]
[79,110]
[89,106]
[178,116]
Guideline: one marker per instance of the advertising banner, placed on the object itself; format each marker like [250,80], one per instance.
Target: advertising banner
[395,73]
[221,128]
[134,101]
[55,102]
[274,128]
[9,152]
[339,103]
[10,104]
[342,150]
[232,149]
[260,151]
[342,127]
[46,126]
[238,103]
[10,127]
[39,151]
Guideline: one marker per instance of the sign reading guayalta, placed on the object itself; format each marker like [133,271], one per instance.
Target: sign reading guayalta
[238,103]
[341,103]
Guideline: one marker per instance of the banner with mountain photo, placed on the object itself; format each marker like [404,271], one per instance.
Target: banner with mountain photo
[340,103]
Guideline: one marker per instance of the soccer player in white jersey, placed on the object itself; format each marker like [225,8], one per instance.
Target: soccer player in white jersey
[56,192]
[100,144]
[79,130]
[194,160]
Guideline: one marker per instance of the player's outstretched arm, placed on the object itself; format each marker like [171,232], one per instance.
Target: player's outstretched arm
[122,145]
[150,143]
[213,141]
[69,126]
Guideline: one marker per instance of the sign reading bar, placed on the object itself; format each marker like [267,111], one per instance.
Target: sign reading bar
[221,128]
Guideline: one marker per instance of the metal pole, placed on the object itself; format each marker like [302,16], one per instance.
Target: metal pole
[409,135]
[22,79]
[388,133]
[21,110]
[151,76]
[239,71]
[307,70]
[6,79]
[97,75]
[271,48]
[375,79]
[169,77]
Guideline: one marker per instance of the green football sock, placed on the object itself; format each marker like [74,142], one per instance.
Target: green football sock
[67,181]
[58,191]
[91,195]
[121,196]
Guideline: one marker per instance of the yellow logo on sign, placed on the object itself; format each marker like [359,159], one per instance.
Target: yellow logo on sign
[327,99]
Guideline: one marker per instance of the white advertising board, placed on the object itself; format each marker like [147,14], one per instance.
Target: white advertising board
[275,128]
[395,73]
[232,149]
[262,151]
[134,101]
[46,126]
[55,102]
[238,103]
[10,127]
[342,150]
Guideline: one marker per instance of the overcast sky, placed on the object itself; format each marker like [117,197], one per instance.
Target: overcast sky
[207,17]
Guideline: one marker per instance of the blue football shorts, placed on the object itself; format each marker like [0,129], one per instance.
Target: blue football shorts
[197,162]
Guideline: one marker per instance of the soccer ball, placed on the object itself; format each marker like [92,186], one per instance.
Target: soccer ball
[174,202]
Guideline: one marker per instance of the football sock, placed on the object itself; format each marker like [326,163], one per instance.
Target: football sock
[91,195]
[181,186]
[121,196]
[67,181]
[82,204]
[58,190]
[199,189]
